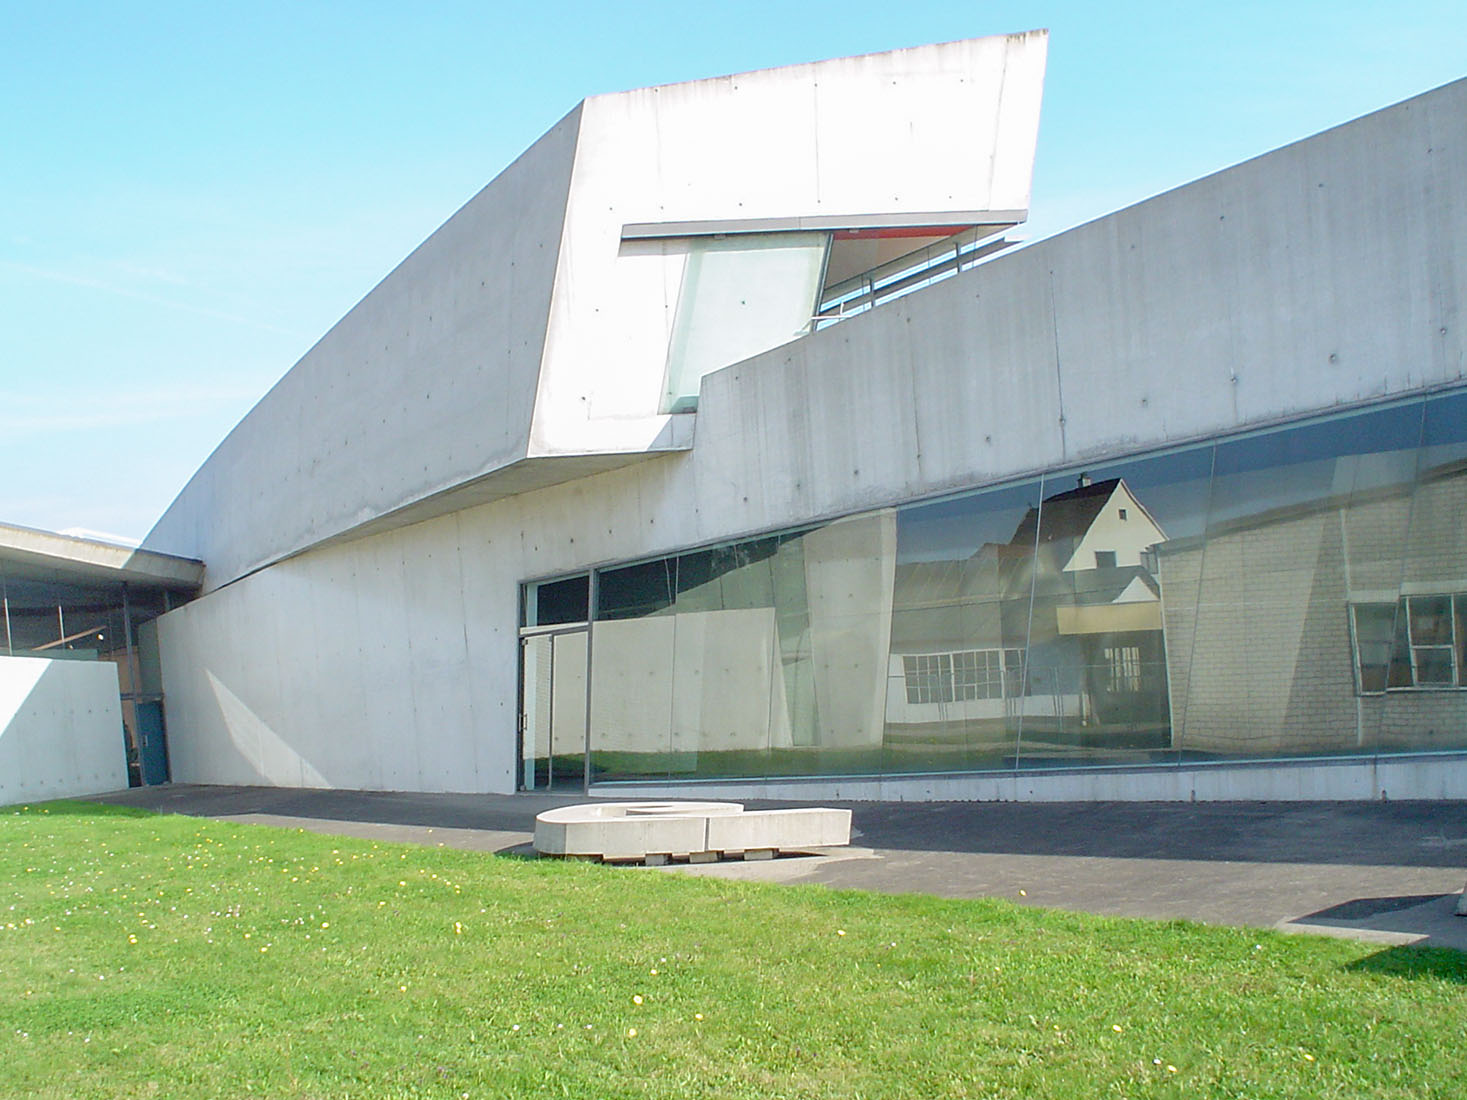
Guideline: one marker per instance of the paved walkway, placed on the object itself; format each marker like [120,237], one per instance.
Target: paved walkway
[1387,872]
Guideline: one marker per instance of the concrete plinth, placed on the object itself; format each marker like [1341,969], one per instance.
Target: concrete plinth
[703,831]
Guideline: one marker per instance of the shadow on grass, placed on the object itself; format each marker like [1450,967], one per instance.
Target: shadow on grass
[68,808]
[525,852]
[1440,963]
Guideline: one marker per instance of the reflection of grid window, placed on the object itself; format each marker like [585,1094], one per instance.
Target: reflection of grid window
[929,677]
[1124,663]
[963,675]
[1418,642]
[978,674]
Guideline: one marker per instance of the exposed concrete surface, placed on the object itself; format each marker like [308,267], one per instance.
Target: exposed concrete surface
[1386,872]
[60,728]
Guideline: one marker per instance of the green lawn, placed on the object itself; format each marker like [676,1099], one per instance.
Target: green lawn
[174,957]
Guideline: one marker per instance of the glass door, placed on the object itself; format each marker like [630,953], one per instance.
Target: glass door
[553,710]
[554,647]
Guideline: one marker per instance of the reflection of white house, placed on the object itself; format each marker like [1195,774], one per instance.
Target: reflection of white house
[1092,626]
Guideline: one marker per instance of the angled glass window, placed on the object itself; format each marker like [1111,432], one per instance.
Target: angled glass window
[740,295]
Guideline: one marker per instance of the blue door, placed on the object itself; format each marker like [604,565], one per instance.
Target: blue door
[152,749]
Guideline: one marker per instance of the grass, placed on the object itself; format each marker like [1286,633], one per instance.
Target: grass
[147,956]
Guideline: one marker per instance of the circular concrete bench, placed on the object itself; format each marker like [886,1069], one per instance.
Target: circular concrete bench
[655,832]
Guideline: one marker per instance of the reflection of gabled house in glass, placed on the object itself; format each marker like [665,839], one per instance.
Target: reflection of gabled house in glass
[1095,630]
[1072,586]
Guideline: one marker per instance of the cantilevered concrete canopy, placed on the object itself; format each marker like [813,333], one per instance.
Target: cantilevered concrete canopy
[26,553]
[560,323]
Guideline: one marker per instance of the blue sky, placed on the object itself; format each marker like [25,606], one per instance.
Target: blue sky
[192,194]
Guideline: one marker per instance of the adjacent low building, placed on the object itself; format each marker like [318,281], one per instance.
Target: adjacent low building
[720,445]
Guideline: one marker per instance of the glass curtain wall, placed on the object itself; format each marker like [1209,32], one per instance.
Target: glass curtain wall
[1297,592]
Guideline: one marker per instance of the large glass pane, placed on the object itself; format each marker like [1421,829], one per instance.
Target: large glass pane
[956,692]
[632,671]
[535,664]
[1303,523]
[1425,708]
[847,581]
[726,667]
[687,677]
[740,295]
[1115,573]
[568,709]
[794,719]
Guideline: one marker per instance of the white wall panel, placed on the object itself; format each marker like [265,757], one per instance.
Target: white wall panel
[488,558]
[60,729]
[436,655]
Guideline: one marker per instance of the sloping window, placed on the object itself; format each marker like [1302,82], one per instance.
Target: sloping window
[741,295]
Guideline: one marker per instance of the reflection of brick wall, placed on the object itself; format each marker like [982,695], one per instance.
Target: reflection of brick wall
[1258,636]
[1435,560]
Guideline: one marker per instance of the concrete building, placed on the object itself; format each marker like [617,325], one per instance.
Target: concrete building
[720,445]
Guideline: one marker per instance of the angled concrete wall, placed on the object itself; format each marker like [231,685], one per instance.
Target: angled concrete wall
[60,729]
[429,382]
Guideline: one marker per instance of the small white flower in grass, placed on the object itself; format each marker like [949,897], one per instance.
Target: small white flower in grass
[1171,1069]
[515,1027]
[637,999]
[840,931]
[1115,1027]
[631,1033]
